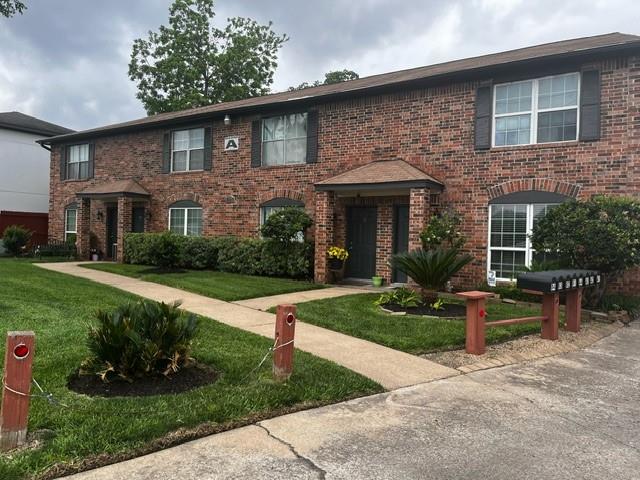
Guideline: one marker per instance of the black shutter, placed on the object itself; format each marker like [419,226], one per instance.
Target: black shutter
[208,161]
[312,136]
[483,117]
[92,163]
[64,151]
[590,105]
[166,153]
[256,143]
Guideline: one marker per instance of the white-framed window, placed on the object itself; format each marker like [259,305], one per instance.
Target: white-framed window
[70,224]
[542,110]
[78,162]
[510,228]
[284,139]
[276,205]
[187,150]
[186,220]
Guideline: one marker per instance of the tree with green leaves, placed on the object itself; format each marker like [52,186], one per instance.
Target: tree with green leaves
[191,63]
[334,76]
[8,8]
[602,233]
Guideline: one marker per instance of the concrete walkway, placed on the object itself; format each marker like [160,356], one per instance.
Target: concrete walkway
[575,416]
[390,368]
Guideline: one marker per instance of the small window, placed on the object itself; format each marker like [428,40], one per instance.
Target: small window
[70,224]
[434,199]
[536,111]
[78,162]
[185,218]
[284,139]
[187,150]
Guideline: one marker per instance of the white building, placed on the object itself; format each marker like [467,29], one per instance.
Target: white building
[24,164]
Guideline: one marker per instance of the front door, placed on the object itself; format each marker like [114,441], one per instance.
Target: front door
[400,238]
[361,242]
[112,231]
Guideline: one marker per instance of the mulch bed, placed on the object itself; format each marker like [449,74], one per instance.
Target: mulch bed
[188,378]
[448,310]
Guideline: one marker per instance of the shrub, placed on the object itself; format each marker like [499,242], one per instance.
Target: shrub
[443,230]
[240,255]
[602,233]
[403,296]
[293,260]
[164,250]
[199,253]
[136,248]
[15,237]
[431,269]
[287,225]
[140,339]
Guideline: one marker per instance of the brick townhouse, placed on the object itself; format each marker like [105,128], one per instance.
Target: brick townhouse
[499,138]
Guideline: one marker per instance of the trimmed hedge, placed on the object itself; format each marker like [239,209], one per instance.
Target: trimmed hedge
[249,256]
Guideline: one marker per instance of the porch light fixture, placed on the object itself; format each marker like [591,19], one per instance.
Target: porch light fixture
[227,120]
[99,214]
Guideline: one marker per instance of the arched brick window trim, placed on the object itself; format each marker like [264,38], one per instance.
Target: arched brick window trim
[537,184]
[281,193]
[177,197]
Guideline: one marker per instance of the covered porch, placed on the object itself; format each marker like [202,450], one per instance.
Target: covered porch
[374,211]
[106,212]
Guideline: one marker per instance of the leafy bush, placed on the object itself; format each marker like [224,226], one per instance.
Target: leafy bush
[628,303]
[602,233]
[140,339]
[164,250]
[431,269]
[15,237]
[136,248]
[287,225]
[240,255]
[199,253]
[403,296]
[293,260]
[443,231]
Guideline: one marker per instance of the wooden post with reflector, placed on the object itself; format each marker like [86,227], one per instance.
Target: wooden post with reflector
[283,349]
[16,387]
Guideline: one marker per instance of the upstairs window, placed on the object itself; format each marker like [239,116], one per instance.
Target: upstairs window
[185,218]
[187,150]
[77,164]
[543,110]
[284,139]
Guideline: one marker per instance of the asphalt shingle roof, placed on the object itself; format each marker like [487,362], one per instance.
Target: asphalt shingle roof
[26,123]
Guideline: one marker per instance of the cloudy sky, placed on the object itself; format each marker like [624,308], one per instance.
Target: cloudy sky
[65,61]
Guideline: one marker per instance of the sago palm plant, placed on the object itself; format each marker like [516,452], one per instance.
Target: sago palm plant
[431,269]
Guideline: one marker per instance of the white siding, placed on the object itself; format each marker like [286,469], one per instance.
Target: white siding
[24,173]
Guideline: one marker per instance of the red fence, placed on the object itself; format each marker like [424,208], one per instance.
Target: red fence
[37,223]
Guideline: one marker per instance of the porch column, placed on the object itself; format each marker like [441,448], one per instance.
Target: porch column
[125,212]
[324,233]
[418,215]
[83,228]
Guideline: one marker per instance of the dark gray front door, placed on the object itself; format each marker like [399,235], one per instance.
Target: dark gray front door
[112,230]
[400,237]
[137,220]
[361,242]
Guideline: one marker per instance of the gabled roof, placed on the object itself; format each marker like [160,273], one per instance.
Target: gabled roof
[380,174]
[565,49]
[127,188]
[26,123]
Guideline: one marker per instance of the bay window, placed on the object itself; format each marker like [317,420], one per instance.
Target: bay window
[542,110]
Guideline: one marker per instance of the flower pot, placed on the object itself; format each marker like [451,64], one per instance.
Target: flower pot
[336,264]
[377,281]
[94,257]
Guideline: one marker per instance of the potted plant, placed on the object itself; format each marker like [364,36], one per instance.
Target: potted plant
[376,280]
[337,257]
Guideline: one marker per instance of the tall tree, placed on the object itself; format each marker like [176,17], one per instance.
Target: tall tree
[334,76]
[191,63]
[8,8]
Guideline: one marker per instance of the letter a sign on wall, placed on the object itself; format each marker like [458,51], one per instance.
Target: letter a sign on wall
[231,143]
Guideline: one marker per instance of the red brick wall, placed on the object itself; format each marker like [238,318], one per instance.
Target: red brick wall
[429,128]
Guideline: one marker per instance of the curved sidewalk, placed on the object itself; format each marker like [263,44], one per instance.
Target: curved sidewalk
[390,368]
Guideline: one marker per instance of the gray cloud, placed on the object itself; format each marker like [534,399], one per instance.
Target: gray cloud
[66,61]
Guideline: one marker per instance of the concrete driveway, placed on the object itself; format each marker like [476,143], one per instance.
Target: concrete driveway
[575,416]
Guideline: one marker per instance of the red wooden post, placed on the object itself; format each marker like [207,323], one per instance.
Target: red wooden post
[285,330]
[573,310]
[14,412]
[551,310]
[475,323]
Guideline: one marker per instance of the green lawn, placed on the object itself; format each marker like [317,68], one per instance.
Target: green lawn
[59,308]
[356,315]
[221,285]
